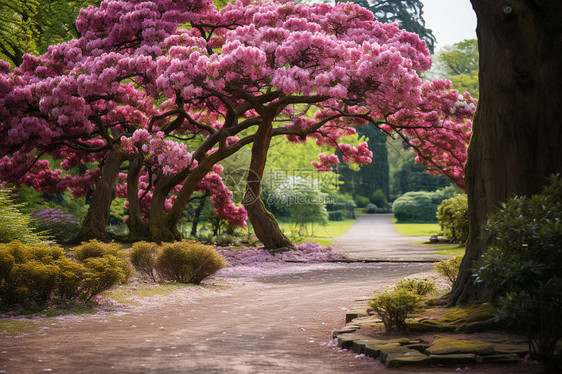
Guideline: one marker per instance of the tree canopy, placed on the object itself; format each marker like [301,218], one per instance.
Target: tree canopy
[157,92]
[459,63]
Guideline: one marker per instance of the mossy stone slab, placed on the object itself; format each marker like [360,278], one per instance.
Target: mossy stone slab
[373,349]
[406,358]
[345,341]
[453,359]
[449,346]
[384,351]
[510,358]
[420,347]
[519,349]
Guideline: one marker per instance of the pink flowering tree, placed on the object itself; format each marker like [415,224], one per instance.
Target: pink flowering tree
[159,91]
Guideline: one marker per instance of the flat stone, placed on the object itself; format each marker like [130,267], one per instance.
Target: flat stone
[519,349]
[453,359]
[406,358]
[384,351]
[359,345]
[420,347]
[510,358]
[345,341]
[345,330]
[373,349]
[448,346]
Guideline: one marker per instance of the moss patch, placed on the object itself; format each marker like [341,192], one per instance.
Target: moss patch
[446,346]
[8,326]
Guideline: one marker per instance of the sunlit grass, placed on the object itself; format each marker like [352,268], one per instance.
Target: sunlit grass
[418,229]
[449,249]
[8,326]
[323,235]
[129,295]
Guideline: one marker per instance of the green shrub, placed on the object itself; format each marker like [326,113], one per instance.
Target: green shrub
[361,201]
[14,224]
[370,209]
[420,206]
[34,274]
[379,199]
[522,269]
[187,262]
[101,274]
[336,215]
[96,249]
[453,218]
[142,257]
[418,286]
[395,306]
[449,268]
[55,223]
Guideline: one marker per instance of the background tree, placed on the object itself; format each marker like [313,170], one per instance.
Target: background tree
[407,13]
[517,128]
[459,64]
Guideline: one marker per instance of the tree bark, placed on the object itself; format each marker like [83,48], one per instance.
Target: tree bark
[517,128]
[97,217]
[265,225]
[138,227]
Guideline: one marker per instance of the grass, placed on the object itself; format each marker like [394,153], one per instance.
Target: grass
[418,229]
[449,249]
[323,235]
[8,326]
[129,294]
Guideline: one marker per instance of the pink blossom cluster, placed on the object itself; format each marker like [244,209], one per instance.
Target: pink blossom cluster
[306,252]
[221,198]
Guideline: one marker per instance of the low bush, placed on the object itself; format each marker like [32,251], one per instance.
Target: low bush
[361,201]
[336,215]
[96,249]
[522,268]
[142,257]
[101,274]
[420,206]
[55,223]
[395,306]
[453,218]
[187,262]
[449,268]
[379,199]
[420,287]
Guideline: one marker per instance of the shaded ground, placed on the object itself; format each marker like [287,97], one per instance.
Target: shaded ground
[278,323]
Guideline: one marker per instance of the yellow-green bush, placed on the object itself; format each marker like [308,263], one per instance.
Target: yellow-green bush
[418,286]
[395,306]
[142,257]
[449,268]
[453,218]
[31,275]
[102,273]
[96,249]
[187,262]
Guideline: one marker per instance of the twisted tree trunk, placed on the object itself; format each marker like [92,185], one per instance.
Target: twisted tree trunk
[518,124]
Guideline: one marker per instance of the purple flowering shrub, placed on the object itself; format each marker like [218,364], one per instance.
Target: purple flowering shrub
[55,223]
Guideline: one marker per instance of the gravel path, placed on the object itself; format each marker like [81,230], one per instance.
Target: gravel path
[276,323]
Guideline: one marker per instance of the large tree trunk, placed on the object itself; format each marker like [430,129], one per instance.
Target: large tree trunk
[265,225]
[95,222]
[138,227]
[518,123]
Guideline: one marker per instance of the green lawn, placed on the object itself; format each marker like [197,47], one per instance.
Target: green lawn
[323,235]
[418,229]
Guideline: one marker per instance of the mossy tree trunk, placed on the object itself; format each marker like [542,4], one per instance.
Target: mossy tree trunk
[264,223]
[518,124]
[97,217]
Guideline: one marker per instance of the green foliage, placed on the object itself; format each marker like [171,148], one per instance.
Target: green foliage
[15,225]
[142,257]
[187,262]
[395,306]
[449,268]
[103,273]
[420,287]
[336,215]
[361,201]
[96,249]
[453,218]
[459,64]
[379,199]
[420,206]
[54,222]
[522,268]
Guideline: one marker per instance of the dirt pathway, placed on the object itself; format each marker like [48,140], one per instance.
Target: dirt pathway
[279,322]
